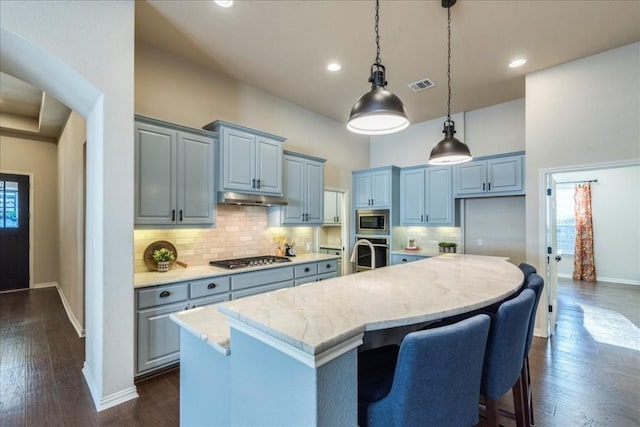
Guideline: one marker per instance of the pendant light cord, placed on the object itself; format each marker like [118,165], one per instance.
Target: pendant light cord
[378,61]
[449,63]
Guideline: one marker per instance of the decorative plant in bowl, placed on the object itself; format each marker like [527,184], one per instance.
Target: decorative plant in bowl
[163,258]
[448,247]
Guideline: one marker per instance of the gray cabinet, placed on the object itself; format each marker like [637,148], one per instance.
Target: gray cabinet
[174,181]
[404,258]
[303,189]
[426,196]
[499,175]
[332,208]
[315,272]
[372,188]
[249,160]
[338,252]
[256,282]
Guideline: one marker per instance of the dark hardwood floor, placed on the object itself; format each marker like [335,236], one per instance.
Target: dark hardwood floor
[587,374]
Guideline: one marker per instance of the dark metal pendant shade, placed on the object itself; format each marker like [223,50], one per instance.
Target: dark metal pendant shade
[450,150]
[378,111]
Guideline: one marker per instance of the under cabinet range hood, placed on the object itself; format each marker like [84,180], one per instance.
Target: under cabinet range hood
[232,198]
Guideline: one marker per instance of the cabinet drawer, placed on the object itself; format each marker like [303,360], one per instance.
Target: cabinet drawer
[308,279]
[201,302]
[306,270]
[210,286]
[162,295]
[262,277]
[326,276]
[261,289]
[327,266]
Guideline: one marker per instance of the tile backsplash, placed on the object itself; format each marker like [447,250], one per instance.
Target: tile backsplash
[427,237]
[241,231]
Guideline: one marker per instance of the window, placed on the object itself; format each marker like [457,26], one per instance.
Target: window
[565,219]
[8,204]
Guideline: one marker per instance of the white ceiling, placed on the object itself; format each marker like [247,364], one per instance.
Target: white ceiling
[282,47]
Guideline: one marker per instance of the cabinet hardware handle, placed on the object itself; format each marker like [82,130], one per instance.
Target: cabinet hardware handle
[421,218]
[164,294]
[404,260]
[328,265]
[211,286]
[253,183]
[259,183]
[173,214]
[489,189]
[427,218]
[483,185]
[306,269]
[180,215]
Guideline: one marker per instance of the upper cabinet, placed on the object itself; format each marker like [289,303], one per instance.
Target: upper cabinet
[494,176]
[332,208]
[174,181]
[303,189]
[426,197]
[372,188]
[249,160]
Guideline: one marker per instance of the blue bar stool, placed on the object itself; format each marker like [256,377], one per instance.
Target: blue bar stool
[536,284]
[435,381]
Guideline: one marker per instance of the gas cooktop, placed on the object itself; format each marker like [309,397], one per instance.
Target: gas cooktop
[249,262]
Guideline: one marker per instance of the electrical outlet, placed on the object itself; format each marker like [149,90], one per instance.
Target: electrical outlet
[480,242]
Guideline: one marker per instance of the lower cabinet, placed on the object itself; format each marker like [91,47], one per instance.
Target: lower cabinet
[158,337]
[403,258]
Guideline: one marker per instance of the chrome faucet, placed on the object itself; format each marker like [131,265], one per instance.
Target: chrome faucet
[373,252]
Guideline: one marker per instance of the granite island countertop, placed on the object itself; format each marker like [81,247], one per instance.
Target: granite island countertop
[316,317]
[180,274]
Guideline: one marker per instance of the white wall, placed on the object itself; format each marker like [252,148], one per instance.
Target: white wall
[26,156]
[492,130]
[71,216]
[82,54]
[615,203]
[584,112]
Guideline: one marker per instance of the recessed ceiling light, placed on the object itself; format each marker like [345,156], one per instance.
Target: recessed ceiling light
[224,3]
[334,66]
[517,63]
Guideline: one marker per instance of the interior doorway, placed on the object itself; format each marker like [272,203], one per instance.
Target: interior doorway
[14,231]
[616,229]
[333,236]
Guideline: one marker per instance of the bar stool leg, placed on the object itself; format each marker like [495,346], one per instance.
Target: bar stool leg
[491,412]
[519,403]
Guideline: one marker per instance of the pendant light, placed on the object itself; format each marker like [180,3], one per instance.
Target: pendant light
[379,111]
[450,150]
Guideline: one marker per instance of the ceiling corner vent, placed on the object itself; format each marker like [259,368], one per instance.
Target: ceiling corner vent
[421,85]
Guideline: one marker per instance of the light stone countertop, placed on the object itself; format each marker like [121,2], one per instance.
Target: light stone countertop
[420,252]
[208,324]
[319,316]
[334,246]
[180,274]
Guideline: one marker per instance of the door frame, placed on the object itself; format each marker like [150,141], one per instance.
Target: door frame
[345,225]
[543,176]
[31,216]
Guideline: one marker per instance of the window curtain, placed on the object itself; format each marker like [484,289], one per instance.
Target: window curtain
[584,267]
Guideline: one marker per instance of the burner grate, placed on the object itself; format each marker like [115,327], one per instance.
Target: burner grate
[249,261]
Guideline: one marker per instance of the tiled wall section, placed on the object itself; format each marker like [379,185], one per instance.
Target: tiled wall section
[241,231]
[428,237]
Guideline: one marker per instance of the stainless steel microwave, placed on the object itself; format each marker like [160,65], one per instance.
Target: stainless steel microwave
[372,221]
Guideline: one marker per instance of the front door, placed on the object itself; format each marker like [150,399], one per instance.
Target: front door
[14,231]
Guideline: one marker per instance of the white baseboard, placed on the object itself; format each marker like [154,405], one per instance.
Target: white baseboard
[44,285]
[111,400]
[72,317]
[605,279]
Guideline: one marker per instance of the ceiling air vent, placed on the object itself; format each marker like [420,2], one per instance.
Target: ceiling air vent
[421,85]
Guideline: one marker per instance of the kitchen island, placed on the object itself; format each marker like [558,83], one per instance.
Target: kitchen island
[290,356]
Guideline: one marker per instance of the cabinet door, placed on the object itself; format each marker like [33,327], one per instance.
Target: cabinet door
[314,195]
[331,215]
[412,197]
[195,179]
[238,160]
[381,189]
[362,190]
[158,337]
[504,174]
[294,188]
[471,177]
[439,198]
[268,166]
[155,174]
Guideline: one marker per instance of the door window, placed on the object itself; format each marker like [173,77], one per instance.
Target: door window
[9,206]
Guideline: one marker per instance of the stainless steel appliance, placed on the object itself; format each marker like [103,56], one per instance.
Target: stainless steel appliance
[381,253]
[372,221]
[248,262]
